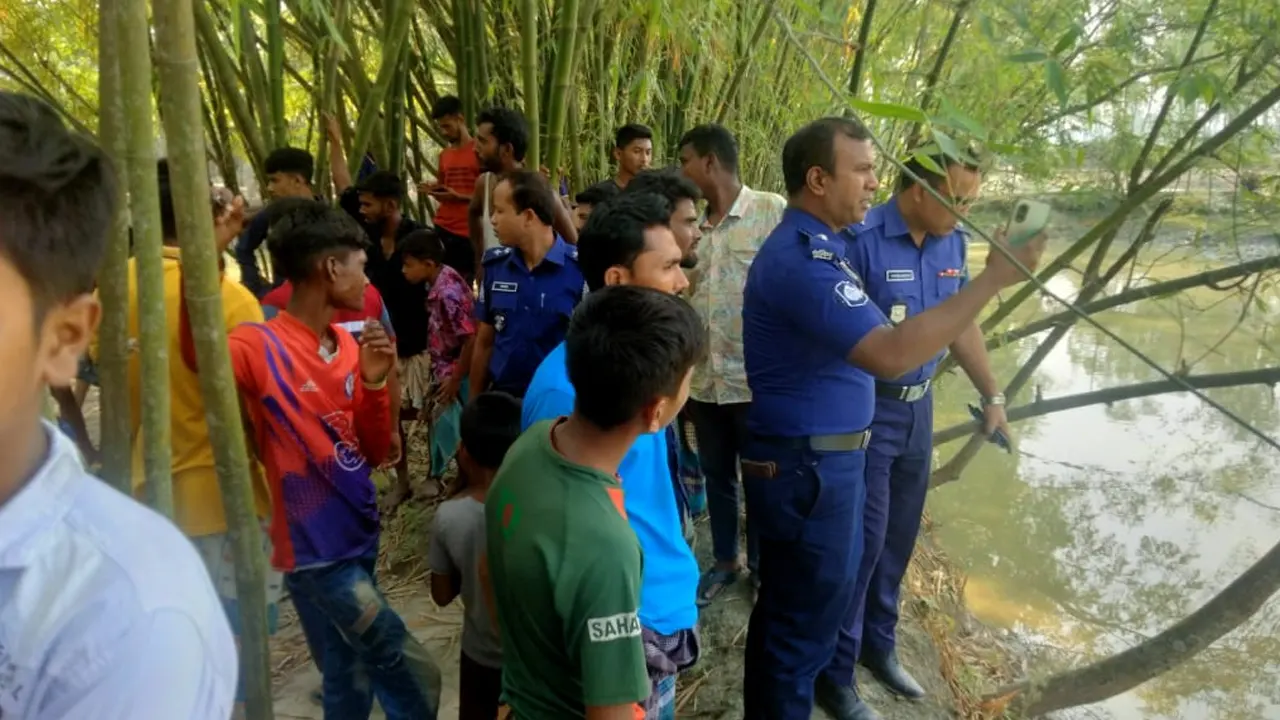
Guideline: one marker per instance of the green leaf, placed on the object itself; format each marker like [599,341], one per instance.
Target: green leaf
[888,110]
[1004,148]
[1067,40]
[958,120]
[1028,56]
[988,28]
[928,162]
[1261,302]
[1055,77]
[948,145]
[1080,157]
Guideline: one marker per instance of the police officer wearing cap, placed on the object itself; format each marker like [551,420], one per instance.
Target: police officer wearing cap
[910,254]
[813,341]
[531,284]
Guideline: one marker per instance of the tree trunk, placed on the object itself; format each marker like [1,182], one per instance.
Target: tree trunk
[329,95]
[529,71]
[860,52]
[1151,658]
[177,66]
[229,84]
[275,73]
[744,63]
[144,212]
[113,280]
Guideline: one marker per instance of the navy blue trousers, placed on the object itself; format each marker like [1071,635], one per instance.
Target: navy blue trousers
[897,479]
[803,505]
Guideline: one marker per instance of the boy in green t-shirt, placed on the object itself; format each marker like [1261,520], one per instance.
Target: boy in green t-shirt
[563,563]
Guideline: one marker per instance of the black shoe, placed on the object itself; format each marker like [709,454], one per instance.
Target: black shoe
[842,702]
[891,674]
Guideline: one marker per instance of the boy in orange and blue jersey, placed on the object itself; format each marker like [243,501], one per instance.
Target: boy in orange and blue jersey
[320,420]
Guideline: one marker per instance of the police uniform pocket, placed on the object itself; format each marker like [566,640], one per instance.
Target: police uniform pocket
[781,495]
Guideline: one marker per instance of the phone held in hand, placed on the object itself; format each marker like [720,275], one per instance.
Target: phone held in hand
[1028,220]
[998,437]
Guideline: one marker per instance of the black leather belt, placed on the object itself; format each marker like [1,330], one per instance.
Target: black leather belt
[841,442]
[906,393]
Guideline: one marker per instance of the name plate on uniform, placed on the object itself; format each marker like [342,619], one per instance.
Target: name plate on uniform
[505,287]
[900,275]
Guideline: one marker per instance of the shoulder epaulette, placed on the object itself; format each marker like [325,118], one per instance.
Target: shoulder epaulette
[495,253]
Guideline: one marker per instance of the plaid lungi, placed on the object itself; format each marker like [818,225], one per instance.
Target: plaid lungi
[667,656]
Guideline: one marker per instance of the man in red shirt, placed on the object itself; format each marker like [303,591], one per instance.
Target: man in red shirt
[319,415]
[459,169]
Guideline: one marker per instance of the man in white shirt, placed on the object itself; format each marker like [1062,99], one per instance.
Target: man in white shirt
[106,610]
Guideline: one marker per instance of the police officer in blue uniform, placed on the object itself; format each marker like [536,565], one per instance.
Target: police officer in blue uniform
[812,340]
[910,253]
[530,287]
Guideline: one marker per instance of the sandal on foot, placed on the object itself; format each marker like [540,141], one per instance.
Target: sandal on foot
[712,583]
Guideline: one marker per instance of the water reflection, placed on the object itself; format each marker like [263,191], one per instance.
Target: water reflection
[1116,521]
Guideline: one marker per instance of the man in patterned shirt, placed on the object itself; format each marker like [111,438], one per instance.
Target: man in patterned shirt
[449,332]
[736,221]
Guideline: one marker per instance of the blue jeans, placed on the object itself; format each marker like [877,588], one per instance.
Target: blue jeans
[722,431]
[807,507]
[362,646]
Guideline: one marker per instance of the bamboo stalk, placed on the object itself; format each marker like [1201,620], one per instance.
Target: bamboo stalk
[529,72]
[176,62]
[562,85]
[144,212]
[113,280]
[275,73]
[225,73]
[377,95]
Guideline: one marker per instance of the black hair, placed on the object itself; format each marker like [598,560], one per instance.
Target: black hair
[814,145]
[713,139]
[628,134]
[422,245]
[290,160]
[446,106]
[627,346]
[530,191]
[58,196]
[509,128]
[614,233]
[670,183]
[488,427]
[301,230]
[384,185]
[168,217]
[970,160]
[598,193]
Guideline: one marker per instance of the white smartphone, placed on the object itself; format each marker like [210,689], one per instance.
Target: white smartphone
[1028,220]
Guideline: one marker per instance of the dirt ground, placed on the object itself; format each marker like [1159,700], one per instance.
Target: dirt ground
[938,642]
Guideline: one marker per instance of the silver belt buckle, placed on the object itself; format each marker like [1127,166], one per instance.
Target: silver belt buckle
[916,392]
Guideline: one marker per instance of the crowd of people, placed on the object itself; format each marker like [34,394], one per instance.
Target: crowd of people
[589,367]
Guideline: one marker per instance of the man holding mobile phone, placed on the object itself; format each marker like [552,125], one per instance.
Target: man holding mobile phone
[911,254]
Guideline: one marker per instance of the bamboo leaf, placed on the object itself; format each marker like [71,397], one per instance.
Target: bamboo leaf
[889,110]
[1054,76]
[953,118]
[1067,40]
[988,28]
[928,162]
[1028,56]
[948,146]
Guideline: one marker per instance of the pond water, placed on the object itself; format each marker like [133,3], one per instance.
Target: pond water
[1111,523]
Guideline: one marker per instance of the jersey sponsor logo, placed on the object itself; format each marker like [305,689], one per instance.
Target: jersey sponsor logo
[850,294]
[614,627]
[345,450]
[499,286]
[899,275]
[309,386]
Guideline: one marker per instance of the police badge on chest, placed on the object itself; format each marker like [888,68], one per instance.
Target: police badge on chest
[499,321]
[898,312]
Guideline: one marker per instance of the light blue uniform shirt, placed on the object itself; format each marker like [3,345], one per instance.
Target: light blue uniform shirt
[106,610]
[669,587]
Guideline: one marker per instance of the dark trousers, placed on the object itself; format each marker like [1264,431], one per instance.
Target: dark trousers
[459,253]
[898,463]
[479,688]
[804,504]
[722,431]
[362,645]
